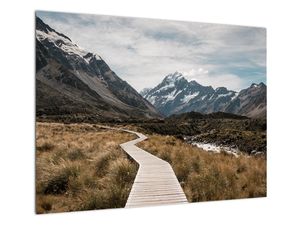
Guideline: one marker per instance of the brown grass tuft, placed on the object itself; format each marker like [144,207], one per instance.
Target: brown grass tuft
[76,154]
[46,146]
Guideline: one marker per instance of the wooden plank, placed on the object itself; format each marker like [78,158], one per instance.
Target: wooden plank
[155,182]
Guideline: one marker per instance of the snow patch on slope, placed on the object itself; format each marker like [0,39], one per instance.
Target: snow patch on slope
[224,95]
[151,99]
[188,98]
[66,45]
[203,97]
[61,42]
[171,96]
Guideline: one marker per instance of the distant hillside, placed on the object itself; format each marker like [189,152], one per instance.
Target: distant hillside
[196,115]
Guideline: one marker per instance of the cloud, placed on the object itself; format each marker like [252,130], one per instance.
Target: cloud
[203,77]
[143,51]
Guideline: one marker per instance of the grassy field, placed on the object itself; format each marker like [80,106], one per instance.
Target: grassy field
[81,167]
[207,176]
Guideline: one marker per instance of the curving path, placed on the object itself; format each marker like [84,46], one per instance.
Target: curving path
[155,182]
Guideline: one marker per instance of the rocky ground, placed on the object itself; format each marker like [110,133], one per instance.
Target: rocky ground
[248,135]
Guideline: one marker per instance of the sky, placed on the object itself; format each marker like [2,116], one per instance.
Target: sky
[143,51]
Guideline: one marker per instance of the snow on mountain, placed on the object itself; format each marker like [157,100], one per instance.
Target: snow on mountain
[61,42]
[71,80]
[65,44]
[187,98]
[177,95]
[174,92]
[145,91]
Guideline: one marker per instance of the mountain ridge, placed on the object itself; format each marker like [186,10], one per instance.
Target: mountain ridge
[175,95]
[81,78]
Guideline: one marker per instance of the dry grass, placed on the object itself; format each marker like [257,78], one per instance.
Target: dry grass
[81,167]
[207,176]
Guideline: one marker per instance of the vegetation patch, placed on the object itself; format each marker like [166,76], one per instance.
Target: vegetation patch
[85,168]
[249,135]
[58,184]
[206,176]
[76,154]
[46,146]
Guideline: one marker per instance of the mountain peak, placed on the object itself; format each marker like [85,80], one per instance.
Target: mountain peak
[193,82]
[174,76]
[262,84]
[41,26]
[254,85]
[81,82]
[221,90]
[52,39]
[177,95]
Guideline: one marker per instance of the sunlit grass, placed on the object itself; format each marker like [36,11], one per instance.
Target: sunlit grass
[208,176]
[81,167]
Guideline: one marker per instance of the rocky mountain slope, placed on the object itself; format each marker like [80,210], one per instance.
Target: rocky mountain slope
[176,95]
[71,82]
[251,102]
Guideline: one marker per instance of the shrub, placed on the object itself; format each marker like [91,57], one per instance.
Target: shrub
[94,200]
[102,163]
[46,146]
[122,171]
[76,154]
[75,185]
[113,195]
[58,184]
[165,155]
[115,186]
[58,157]
[44,204]
[90,181]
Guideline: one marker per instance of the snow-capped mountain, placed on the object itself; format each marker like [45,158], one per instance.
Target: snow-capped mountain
[177,95]
[71,80]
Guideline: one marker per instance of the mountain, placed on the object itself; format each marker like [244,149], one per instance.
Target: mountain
[251,102]
[71,82]
[175,95]
[145,91]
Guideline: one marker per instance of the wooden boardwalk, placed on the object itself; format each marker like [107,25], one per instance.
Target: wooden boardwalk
[155,182]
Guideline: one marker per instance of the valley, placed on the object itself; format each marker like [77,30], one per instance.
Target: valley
[214,139]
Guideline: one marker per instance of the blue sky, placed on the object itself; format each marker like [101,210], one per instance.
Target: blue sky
[143,51]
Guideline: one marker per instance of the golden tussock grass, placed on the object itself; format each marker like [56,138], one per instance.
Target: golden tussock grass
[208,176]
[81,167]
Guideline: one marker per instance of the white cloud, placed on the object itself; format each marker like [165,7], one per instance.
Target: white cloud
[143,51]
[203,77]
